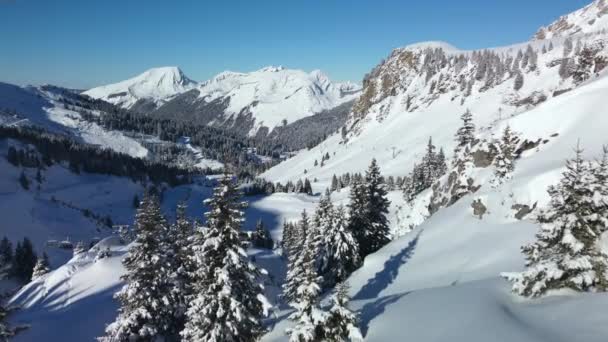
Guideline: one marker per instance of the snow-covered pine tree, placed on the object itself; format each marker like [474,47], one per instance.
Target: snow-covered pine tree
[340,324]
[566,253]
[295,258]
[334,183]
[146,307]
[322,223]
[358,220]
[179,255]
[429,166]
[6,254]
[343,250]
[600,187]
[42,267]
[227,303]
[377,231]
[505,157]
[308,315]
[5,332]
[307,187]
[466,133]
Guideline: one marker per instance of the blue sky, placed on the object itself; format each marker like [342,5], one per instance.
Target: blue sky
[83,43]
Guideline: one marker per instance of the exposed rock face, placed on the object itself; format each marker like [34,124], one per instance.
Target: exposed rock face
[523,210]
[591,18]
[479,209]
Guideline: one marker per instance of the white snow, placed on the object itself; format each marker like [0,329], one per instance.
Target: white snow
[274,94]
[155,85]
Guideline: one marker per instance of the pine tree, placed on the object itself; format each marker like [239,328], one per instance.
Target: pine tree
[42,267]
[307,187]
[25,183]
[179,253]
[466,133]
[306,299]
[5,332]
[340,323]
[6,254]
[358,222]
[505,154]
[334,183]
[566,253]
[377,231]
[25,260]
[146,306]
[226,305]
[297,244]
[518,83]
[343,250]
[322,223]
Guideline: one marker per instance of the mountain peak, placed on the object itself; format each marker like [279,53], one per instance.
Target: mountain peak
[153,85]
[591,18]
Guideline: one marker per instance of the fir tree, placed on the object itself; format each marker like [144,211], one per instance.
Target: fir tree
[297,244]
[377,232]
[6,253]
[42,267]
[25,260]
[226,305]
[5,332]
[146,307]
[466,133]
[340,324]
[179,254]
[343,250]
[505,157]
[566,253]
[306,300]
[25,183]
[358,222]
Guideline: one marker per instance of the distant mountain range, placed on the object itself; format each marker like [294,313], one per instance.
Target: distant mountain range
[247,102]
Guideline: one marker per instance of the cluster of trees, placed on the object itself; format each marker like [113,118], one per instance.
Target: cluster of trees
[424,174]
[21,262]
[223,144]
[189,282]
[54,148]
[260,186]
[324,250]
[567,253]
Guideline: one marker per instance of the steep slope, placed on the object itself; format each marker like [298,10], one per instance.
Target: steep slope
[44,107]
[268,97]
[146,91]
[591,18]
[420,91]
[444,275]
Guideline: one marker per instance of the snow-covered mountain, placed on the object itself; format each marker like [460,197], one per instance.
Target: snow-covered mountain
[275,94]
[245,102]
[441,272]
[43,107]
[268,97]
[591,18]
[148,90]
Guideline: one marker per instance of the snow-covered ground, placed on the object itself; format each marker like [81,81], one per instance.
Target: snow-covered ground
[274,94]
[437,282]
[155,85]
[41,108]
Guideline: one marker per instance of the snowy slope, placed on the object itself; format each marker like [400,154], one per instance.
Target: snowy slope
[395,123]
[274,94]
[154,85]
[591,18]
[40,106]
[72,293]
[443,277]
